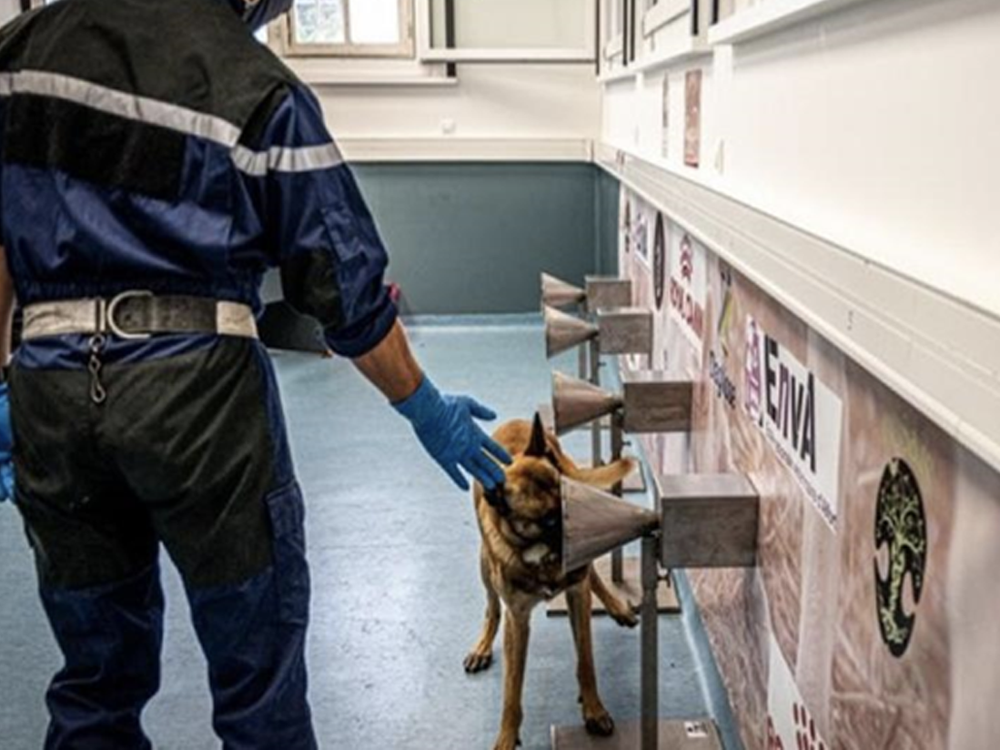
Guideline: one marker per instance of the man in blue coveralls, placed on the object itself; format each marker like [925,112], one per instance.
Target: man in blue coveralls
[156,160]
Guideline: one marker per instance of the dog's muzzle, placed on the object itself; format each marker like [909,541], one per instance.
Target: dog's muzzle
[497,498]
[552,531]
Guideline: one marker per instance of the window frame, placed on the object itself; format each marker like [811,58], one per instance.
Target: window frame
[427,52]
[282,36]
[613,35]
[663,13]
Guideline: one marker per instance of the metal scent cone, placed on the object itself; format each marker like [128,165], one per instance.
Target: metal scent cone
[563,332]
[596,522]
[559,293]
[576,402]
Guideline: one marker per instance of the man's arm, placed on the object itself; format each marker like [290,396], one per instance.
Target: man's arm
[6,436]
[444,424]
[332,260]
[391,366]
[6,308]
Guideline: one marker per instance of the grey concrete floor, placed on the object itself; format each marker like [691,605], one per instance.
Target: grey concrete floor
[396,594]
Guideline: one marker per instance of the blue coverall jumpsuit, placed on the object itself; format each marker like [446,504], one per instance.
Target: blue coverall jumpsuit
[155,145]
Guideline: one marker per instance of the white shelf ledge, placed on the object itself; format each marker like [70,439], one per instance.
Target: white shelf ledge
[457,149]
[507,56]
[378,82]
[694,49]
[770,16]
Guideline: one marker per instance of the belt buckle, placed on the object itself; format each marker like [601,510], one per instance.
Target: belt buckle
[113,308]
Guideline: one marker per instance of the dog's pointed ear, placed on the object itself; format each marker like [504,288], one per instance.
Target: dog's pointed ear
[538,446]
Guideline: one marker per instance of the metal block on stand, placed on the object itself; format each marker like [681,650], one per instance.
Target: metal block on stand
[607,292]
[657,401]
[627,330]
[708,520]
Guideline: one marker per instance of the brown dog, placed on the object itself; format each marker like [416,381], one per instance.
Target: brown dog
[521,526]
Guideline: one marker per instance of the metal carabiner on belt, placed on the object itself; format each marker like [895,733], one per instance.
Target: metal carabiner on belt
[98,394]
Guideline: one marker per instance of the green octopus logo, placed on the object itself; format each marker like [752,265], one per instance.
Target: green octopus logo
[900,524]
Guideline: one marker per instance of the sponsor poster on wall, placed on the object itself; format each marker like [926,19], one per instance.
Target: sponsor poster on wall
[688,287]
[800,416]
[789,723]
[625,228]
[640,230]
[692,118]
[643,293]
[852,627]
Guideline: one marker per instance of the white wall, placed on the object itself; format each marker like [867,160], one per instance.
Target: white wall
[877,128]
[516,23]
[489,101]
[8,10]
[514,103]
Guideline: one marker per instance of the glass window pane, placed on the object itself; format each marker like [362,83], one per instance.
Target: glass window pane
[506,24]
[375,22]
[319,22]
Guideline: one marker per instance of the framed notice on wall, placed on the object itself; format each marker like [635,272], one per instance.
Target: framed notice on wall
[692,118]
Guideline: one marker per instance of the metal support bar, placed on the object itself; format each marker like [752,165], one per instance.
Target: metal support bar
[595,379]
[650,644]
[617,450]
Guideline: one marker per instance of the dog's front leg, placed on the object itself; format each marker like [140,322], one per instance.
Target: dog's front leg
[596,717]
[619,610]
[481,655]
[516,631]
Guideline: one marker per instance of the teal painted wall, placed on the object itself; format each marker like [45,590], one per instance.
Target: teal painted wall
[473,238]
[606,202]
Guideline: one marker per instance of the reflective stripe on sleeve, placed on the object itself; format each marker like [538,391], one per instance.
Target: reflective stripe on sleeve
[290,160]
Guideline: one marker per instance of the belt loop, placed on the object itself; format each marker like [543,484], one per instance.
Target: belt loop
[101,310]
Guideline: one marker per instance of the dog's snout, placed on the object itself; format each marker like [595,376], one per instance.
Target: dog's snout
[497,498]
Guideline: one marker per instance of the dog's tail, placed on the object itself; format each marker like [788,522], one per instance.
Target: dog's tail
[603,477]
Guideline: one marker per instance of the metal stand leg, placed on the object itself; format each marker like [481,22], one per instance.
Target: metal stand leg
[649,733]
[625,574]
[650,645]
[617,448]
[595,429]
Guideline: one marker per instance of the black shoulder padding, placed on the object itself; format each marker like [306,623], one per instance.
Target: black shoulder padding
[197,54]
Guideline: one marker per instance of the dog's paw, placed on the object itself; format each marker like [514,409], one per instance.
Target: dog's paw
[478,661]
[504,743]
[600,724]
[625,617]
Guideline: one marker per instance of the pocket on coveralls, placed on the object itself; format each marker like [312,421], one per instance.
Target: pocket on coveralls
[291,572]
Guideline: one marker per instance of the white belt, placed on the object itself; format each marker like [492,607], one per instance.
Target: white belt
[138,315]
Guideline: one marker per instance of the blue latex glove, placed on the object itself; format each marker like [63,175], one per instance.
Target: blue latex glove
[448,432]
[6,448]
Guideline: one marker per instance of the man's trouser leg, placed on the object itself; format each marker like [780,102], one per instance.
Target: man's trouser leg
[96,553]
[196,444]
